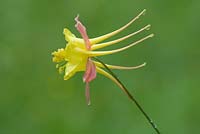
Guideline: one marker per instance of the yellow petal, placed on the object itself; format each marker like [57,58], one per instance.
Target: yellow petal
[72,39]
[70,70]
[101,45]
[68,34]
[118,67]
[101,53]
[106,36]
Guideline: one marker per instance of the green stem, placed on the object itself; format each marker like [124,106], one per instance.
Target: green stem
[132,98]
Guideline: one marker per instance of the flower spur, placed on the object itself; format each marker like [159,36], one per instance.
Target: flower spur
[79,53]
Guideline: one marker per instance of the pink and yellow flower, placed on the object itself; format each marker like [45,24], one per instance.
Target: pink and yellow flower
[78,53]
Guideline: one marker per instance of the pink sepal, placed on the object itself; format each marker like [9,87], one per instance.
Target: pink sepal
[87,93]
[82,30]
[90,72]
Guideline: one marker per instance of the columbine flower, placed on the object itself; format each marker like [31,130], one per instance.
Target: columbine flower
[78,53]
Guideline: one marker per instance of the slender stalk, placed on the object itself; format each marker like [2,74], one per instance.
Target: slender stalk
[132,98]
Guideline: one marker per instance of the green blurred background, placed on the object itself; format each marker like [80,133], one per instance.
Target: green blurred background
[34,98]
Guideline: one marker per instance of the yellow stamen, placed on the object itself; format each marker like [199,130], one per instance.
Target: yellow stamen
[101,45]
[106,36]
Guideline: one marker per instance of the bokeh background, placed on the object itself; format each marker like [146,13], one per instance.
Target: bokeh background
[34,98]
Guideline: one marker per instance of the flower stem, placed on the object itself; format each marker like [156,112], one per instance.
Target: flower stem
[131,97]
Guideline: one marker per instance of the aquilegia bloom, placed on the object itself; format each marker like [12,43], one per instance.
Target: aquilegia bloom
[78,53]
